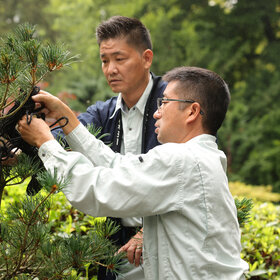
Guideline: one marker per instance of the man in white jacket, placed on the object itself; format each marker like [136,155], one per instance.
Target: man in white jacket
[180,188]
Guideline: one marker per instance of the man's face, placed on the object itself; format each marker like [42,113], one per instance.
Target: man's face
[170,120]
[124,67]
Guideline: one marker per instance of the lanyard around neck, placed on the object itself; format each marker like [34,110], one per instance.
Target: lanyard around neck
[117,142]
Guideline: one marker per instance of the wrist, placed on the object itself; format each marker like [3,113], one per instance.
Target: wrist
[43,139]
[61,111]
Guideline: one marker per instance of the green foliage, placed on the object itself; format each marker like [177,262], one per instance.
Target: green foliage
[15,12]
[260,233]
[32,245]
[51,182]
[55,57]
[261,242]
[96,131]
[13,194]
[244,207]
[25,168]
[14,175]
[86,79]
[238,39]
[260,193]
[24,62]
[45,240]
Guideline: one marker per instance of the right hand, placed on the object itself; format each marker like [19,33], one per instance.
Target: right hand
[35,133]
[53,106]
[133,249]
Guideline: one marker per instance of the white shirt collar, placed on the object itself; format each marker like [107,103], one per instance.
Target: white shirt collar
[140,105]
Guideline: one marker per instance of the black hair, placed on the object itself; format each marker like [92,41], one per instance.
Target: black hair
[133,30]
[205,87]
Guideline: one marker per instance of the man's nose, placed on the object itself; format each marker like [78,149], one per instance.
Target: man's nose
[157,114]
[112,69]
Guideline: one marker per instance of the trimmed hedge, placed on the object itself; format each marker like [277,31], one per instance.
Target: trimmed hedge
[260,236]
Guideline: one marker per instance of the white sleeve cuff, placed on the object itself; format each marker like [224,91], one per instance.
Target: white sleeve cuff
[48,149]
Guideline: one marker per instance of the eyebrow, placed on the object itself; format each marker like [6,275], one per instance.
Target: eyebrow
[114,53]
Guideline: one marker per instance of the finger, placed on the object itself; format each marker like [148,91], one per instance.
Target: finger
[130,253]
[39,105]
[20,122]
[124,248]
[137,256]
[120,250]
[43,92]
[41,96]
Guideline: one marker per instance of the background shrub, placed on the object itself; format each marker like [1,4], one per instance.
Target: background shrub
[259,237]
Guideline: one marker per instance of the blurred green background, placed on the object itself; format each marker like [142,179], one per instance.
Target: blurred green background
[238,39]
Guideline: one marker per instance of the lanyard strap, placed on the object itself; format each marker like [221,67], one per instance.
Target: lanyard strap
[116,147]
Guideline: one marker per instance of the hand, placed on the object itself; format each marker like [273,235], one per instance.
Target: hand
[134,249]
[53,106]
[36,133]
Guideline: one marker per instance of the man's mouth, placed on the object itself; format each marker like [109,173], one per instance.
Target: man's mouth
[113,81]
[157,129]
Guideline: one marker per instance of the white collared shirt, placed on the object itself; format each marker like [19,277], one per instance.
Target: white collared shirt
[132,122]
[190,219]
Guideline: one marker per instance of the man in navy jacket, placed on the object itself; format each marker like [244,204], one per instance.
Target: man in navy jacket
[99,115]
[127,119]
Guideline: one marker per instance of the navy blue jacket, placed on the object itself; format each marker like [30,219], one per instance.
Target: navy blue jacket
[99,114]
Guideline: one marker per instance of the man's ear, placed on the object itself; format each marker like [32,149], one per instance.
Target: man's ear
[193,112]
[147,58]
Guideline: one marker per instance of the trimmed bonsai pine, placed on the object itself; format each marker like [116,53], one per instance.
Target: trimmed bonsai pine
[24,62]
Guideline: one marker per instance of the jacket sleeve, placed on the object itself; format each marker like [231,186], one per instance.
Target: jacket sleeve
[121,186]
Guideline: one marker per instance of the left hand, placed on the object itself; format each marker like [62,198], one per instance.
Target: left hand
[133,248]
[36,133]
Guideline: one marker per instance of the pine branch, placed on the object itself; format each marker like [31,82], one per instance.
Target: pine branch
[23,58]
[56,56]
[25,32]
[51,182]
[24,246]
[244,207]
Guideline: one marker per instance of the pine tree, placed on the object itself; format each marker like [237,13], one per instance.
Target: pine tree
[24,62]
[28,249]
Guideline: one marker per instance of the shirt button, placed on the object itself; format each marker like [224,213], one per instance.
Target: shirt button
[43,155]
[130,129]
